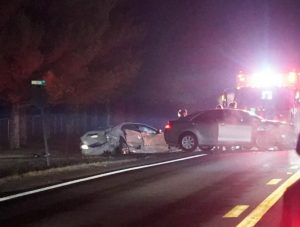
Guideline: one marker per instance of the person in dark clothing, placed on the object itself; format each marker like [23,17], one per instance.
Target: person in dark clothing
[182,113]
[232,105]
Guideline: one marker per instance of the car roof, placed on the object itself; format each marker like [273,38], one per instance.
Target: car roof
[133,123]
[195,114]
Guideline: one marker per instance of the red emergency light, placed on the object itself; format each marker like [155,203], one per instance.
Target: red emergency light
[268,79]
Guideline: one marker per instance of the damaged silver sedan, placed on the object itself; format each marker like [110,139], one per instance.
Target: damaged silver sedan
[123,139]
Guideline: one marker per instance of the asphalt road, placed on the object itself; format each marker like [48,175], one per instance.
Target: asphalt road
[195,192]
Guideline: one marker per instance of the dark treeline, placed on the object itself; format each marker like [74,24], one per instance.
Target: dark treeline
[134,60]
[87,51]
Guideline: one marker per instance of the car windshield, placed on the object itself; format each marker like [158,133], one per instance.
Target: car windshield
[256,116]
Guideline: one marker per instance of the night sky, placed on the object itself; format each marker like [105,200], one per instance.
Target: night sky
[140,60]
[204,44]
[188,52]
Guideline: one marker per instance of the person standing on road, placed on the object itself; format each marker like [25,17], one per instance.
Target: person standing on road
[182,113]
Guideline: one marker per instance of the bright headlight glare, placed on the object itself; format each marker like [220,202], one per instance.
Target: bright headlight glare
[94,136]
[84,147]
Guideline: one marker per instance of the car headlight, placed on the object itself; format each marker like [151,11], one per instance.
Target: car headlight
[84,147]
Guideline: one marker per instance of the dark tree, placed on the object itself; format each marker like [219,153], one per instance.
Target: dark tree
[86,50]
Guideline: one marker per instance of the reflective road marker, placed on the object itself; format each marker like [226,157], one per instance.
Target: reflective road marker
[236,211]
[274,181]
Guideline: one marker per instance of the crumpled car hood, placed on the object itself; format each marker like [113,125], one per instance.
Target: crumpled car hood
[101,141]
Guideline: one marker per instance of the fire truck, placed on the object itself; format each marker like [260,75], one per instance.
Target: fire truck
[272,95]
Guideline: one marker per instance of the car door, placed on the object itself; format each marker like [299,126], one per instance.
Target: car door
[207,127]
[153,139]
[133,136]
[234,128]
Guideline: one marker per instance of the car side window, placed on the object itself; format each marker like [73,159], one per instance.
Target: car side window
[238,117]
[145,129]
[131,127]
[232,117]
[209,117]
[246,118]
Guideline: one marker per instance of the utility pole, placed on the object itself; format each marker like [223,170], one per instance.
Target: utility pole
[39,98]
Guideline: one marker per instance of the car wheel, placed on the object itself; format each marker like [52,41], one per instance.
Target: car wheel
[123,148]
[188,142]
[287,144]
[206,147]
[262,142]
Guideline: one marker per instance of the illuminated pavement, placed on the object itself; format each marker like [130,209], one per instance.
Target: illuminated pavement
[220,189]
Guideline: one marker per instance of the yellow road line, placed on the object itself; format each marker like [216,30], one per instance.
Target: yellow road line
[273,181]
[265,205]
[236,211]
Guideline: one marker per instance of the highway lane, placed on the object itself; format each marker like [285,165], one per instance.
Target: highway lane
[196,192]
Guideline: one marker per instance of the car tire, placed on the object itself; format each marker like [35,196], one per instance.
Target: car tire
[206,147]
[262,142]
[287,144]
[188,142]
[123,148]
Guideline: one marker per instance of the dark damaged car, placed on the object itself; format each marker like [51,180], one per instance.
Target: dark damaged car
[228,127]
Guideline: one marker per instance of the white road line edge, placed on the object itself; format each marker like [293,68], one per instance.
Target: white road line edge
[22,194]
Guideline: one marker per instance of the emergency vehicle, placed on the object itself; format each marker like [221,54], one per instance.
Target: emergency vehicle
[272,95]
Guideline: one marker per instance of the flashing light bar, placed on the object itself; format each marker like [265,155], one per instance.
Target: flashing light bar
[268,79]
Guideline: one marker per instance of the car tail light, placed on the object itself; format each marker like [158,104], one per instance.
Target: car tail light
[168,126]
